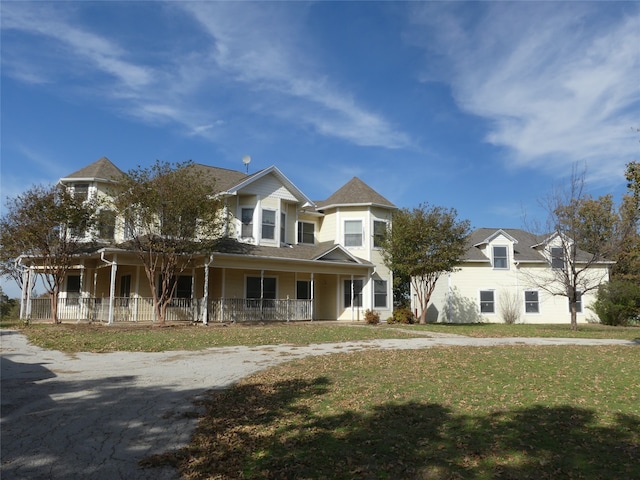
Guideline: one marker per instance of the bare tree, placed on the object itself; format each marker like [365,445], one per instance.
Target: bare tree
[578,235]
[48,225]
[510,307]
[170,213]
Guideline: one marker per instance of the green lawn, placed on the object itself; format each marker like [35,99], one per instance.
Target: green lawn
[518,412]
[102,338]
[440,413]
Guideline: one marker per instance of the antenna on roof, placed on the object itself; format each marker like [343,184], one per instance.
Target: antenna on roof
[246,160]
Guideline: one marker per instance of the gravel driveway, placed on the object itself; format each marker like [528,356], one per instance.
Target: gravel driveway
[94,415]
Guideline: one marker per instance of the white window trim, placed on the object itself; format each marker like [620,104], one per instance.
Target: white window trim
[493,261]
[524,305]
[373,293]
[276,227]
[373,231]
[344,232]
[253,221]
[495,302]
[298,236]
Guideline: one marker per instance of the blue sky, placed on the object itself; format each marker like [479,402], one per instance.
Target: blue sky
[481,106]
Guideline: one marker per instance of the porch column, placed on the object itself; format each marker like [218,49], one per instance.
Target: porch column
[112,288]
[205,294]
[223,293]
[261,292]
[83,303]
[137,295]
[352,299]
[313,294]
[25,298]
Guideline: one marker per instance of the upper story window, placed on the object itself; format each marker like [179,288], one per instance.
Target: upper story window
[306,232]
[353,233]
[379,230]
[269,224]
[247,222]
[106,224]
[557,257]
[81,190]
[500,257]
[283,228]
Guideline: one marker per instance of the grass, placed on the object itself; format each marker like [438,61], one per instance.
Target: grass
[440,413]
[145,338]
[100,338]
[588,330]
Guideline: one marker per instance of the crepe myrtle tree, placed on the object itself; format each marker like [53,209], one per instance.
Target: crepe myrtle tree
[49,225]
[170,213]
[424,243]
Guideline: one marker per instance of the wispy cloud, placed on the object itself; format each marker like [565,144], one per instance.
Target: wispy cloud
[558,82]
[262,46]
[251,51]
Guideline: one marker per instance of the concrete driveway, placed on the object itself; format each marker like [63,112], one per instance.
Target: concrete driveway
[93,416]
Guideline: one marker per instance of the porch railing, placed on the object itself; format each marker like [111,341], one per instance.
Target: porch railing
[140,309]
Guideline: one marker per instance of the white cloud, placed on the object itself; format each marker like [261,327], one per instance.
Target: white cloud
[557,81]
[262,46]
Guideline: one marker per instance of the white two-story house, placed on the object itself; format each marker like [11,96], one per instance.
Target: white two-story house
[300,259]
[501,277]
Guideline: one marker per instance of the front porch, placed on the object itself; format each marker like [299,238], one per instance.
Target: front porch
[140,310]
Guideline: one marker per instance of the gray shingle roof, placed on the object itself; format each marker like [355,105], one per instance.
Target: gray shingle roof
[298,252]
[523,250]
[355,192]
[101,169]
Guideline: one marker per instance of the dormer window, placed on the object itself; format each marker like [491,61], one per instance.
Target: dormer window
[557,257]
[500,257]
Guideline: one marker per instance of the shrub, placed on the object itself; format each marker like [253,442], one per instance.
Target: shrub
[402,315]
[371,317]
[618,303]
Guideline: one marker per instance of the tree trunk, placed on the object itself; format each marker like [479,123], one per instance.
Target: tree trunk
[574,314]
[54,307]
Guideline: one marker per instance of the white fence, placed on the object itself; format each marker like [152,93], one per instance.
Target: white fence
[179,310]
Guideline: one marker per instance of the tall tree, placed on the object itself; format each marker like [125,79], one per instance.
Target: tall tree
[170,214]
[424,243]
[579,235]
[48,224]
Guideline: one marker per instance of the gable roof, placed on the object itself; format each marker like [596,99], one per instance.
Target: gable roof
[102,169]
[526,245]
[272,170]
[355,192]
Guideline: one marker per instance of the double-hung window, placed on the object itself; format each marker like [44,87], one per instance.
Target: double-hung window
[81,191]
[380,294]
[557,257]
[379,230]
[247,223]
[269,224]
[306,232]
[500,257]
[531,301]
[353,233]
[487,301]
